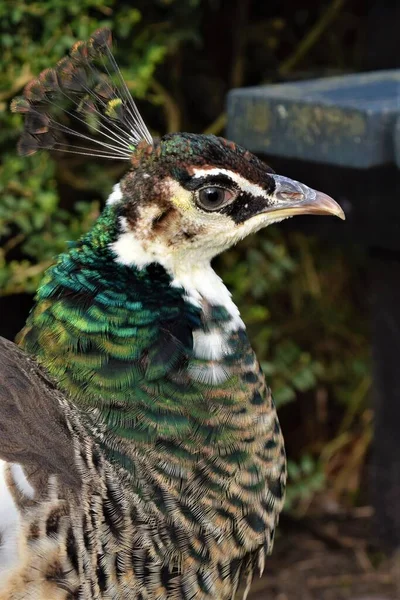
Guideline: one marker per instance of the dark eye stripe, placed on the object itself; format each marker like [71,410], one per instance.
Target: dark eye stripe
[244,207]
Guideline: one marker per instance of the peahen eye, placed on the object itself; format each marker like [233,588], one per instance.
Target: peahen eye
[213,197]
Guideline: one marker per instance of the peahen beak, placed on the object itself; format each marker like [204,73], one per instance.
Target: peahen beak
[291,198]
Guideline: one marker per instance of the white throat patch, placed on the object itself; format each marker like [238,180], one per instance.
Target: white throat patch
[202,283]
[198,279]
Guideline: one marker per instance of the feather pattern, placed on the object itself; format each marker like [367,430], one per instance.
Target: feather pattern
[84,90]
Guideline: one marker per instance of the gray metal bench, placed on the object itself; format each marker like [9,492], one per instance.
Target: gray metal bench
[342,135]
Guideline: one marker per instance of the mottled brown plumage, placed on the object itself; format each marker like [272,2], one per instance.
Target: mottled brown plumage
[87,532]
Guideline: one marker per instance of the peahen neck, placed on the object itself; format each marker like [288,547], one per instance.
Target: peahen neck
[153,357]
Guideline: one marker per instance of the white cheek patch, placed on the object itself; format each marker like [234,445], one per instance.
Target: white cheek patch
[130,251]
[115,196]
[244,184]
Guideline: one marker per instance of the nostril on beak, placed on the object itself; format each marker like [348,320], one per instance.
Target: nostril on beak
[291,196]
[289,190]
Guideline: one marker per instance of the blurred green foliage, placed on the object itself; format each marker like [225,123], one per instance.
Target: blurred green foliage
[297,295]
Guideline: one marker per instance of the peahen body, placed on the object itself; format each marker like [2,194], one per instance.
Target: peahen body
[142,456]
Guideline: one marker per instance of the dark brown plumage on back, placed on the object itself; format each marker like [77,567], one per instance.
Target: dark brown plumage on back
[33,424]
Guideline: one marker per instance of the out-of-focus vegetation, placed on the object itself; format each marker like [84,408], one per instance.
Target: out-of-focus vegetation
[300,297]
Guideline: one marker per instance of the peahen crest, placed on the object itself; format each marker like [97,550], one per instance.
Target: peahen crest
[85,91]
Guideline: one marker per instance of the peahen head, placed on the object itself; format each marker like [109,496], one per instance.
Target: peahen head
[186,197]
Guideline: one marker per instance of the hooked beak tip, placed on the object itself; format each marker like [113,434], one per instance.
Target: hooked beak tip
[325,205]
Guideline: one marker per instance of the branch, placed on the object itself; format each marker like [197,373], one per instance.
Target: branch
[311,38]
[67,174]
[171,109]
[25,76]
[217,126]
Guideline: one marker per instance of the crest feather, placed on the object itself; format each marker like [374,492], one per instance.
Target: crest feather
[87,89]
